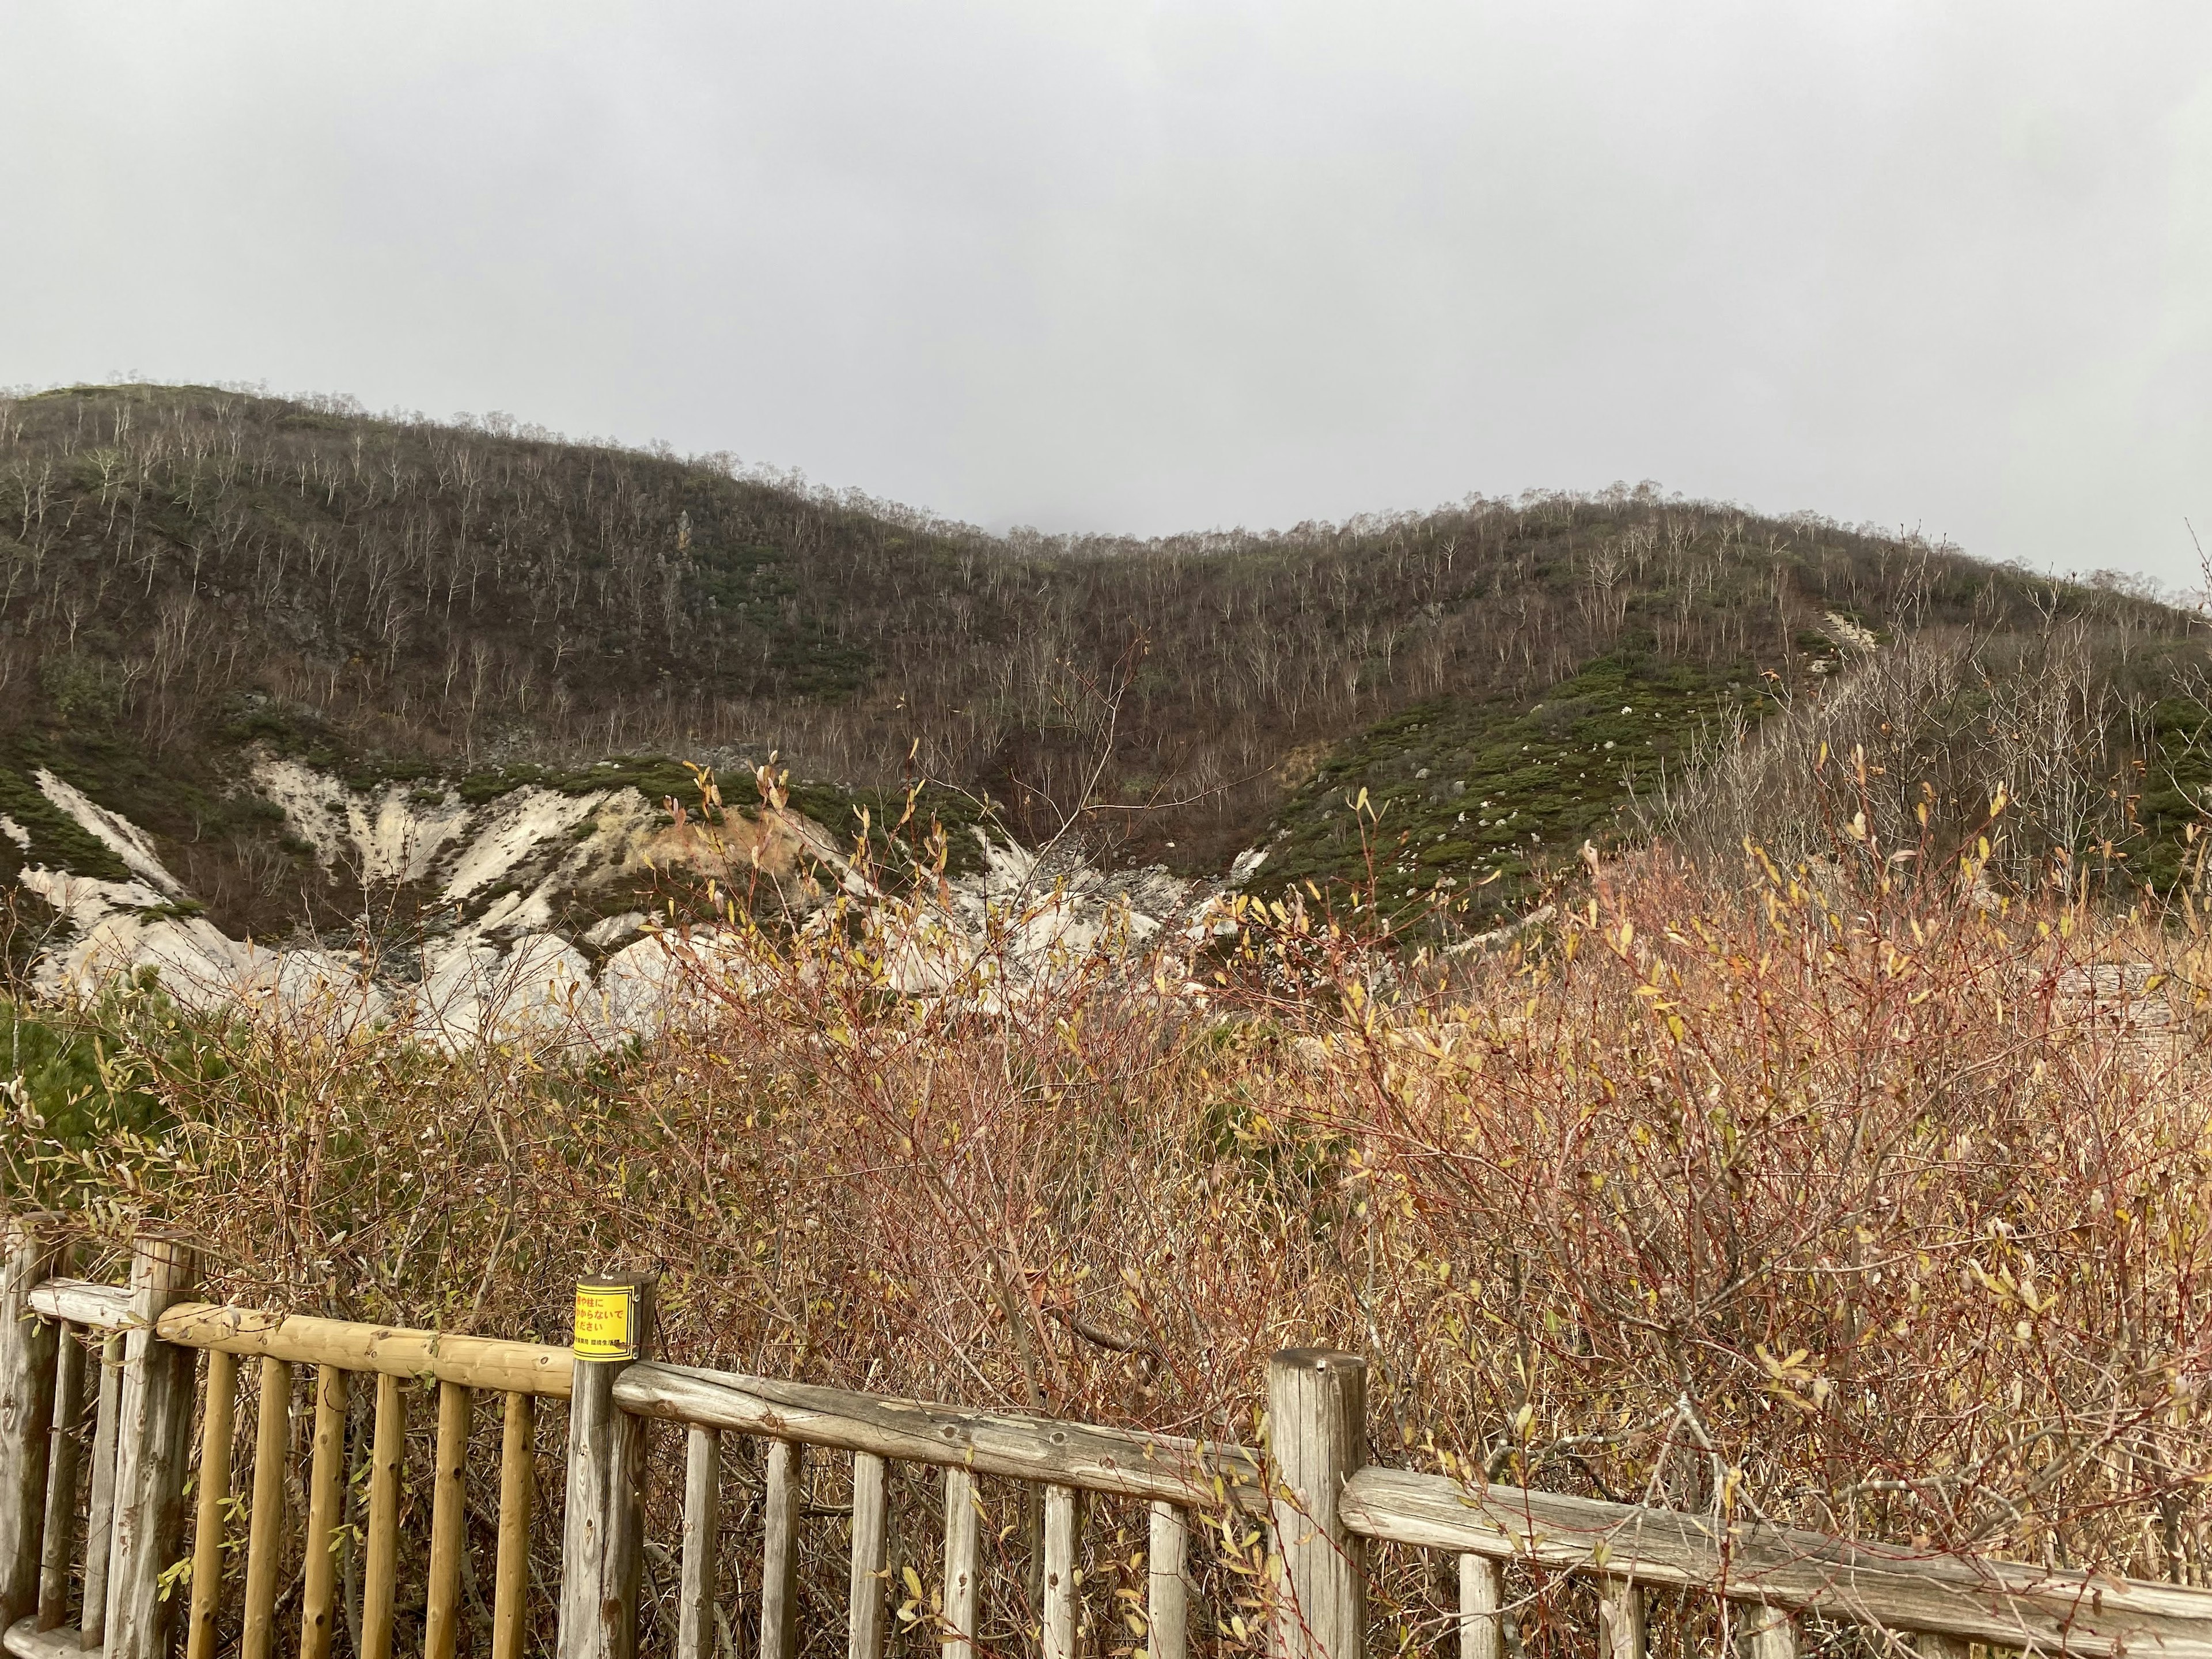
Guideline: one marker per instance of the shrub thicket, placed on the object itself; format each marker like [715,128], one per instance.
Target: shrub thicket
[1848,1195]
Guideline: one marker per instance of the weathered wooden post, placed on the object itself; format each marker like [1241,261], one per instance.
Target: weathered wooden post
[1619,1619]
[963,1564]
[326,1496]
[152,1434]
[780,1511]
[28,1349]
[1773,1633]
[264,1538]
[603,1531]
[448,1522]
[1482,1609]
[380,1565]
[99,1496]
[1167,1583]
[64,1465]
[518,1485]
[1062,1524]
[702,1531]
[1317,1433]
[866,1623]
[215,1420]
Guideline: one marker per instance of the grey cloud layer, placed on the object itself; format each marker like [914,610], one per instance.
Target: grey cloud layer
[1145,268]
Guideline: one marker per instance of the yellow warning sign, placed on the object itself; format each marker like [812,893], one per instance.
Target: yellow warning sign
[606,1321]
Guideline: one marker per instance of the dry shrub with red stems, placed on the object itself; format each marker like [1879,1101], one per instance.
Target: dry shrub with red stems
[1859,1204]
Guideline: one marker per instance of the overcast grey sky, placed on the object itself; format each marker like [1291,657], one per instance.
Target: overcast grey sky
[1153,267]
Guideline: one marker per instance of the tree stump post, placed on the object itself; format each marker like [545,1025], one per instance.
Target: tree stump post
[603,1528]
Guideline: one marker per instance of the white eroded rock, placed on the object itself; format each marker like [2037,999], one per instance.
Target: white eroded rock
[474,992]
[82,901]
[522,822]
[199,965]
[502,973]
[609,931]
[396,834]
[123,838]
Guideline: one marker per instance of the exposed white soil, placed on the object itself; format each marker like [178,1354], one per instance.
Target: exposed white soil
[502,872]
[389,836]
[82,901]
[1843,631]
[520,825]
[609,931]
[1028,918]
[123,838]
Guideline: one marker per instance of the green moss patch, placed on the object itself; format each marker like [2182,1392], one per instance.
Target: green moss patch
[1479,803]
[58,840]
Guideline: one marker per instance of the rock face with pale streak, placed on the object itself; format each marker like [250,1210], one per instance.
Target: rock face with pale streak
[499,876]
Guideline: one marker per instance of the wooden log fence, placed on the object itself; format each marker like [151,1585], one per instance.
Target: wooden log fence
[128,1357]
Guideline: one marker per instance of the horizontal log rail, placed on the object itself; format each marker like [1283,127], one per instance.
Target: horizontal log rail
[468,1362]
[80,1301]
[2004,1603]
[27,1641]
[1119,1463]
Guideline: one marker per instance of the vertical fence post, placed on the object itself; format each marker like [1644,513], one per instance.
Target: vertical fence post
[703,1543]
[780,1506]
[1773,1633]
[518,1491]
[1482,1609]
[222,1400]
[62,1467]
[1167,1583]
[865,1625]
[28,1349]
[448,1523]
[603,1530]
[152,1436]
[1063,1611]
[963,1561]
[326,1496]
[1317,1432]
[264,1538]
[387,1470]
[99,1496]
[1619,1619]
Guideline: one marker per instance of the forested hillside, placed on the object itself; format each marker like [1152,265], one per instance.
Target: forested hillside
[191,571]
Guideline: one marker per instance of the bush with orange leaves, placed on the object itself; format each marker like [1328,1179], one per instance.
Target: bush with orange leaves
[1872,1205]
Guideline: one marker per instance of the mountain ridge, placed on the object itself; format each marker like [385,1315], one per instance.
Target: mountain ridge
[194,574]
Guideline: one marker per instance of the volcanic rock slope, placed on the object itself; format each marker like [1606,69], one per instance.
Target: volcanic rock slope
[536,913]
